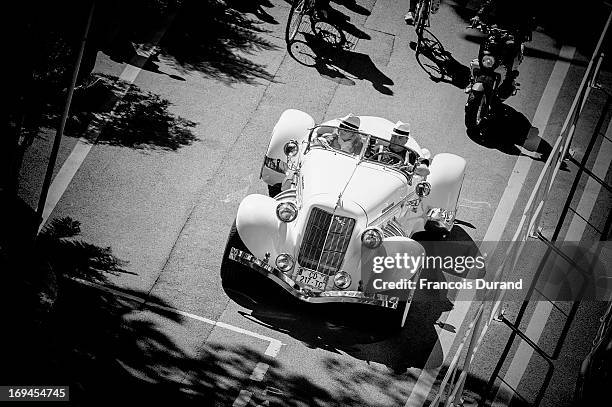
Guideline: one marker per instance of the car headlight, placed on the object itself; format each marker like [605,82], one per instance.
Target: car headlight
[291,148]
[286,211]
[371,238]
[342,280]
[423,189]
[488,61]
[284,262]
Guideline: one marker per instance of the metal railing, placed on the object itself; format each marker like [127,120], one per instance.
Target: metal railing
[452,385]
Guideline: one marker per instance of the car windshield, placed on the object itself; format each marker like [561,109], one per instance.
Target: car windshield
[368,147]
[342,140]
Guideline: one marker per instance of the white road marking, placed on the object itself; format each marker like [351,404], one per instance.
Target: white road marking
[474,204]
[518,176]
[543,309]
[259,372]
[243,398]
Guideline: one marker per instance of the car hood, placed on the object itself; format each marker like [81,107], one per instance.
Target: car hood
[371,186]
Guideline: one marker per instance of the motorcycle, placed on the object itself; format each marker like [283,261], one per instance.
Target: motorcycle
[484,94]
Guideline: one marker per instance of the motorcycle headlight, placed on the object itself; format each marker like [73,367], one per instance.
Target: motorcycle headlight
[423,189]
[371,238]
[488,61]
[286,211]
[284,262]
[342,280]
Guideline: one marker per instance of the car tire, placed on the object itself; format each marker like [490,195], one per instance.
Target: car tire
[435,231]
[274,190]
[233,274]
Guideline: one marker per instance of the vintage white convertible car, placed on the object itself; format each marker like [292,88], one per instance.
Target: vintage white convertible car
[328,207]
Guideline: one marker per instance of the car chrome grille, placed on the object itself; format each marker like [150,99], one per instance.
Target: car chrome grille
[325,241]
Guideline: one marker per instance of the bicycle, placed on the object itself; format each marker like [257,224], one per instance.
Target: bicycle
[322,29]
[299,9]
[318,34]
[425,8]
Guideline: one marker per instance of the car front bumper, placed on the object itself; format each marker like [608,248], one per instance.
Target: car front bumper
[304,294]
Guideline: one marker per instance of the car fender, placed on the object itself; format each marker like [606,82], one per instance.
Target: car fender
[259,228]
[446,178]
[292,125]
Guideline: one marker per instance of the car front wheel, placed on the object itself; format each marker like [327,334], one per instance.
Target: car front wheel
[234,275]
[274,190]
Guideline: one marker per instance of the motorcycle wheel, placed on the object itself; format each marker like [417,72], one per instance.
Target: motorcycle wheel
[476,110]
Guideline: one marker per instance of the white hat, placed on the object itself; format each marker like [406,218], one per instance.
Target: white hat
[350,122]
[400,130]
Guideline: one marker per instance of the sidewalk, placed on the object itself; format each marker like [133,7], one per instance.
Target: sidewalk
[563,330]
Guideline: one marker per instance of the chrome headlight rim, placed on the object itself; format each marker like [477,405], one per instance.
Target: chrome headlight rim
[289,262]
[286,212]
[488,61]
[423,189]
[372,232]
[291,148]
[342,280]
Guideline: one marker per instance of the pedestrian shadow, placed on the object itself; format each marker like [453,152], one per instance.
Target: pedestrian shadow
[511,132]
[439,63]
[353,6]
[255,7]
[340,65]
[343,22]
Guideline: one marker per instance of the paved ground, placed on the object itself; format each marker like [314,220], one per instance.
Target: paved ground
[167,211]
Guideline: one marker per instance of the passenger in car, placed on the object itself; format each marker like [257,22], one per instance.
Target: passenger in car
[345,137]
[399,138]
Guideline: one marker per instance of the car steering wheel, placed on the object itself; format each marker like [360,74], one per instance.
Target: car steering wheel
[389,157]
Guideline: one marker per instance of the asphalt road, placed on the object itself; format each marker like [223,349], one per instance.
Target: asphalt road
[167,212]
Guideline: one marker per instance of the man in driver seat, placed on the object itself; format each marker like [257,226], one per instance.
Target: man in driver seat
[345,137]
[398,145]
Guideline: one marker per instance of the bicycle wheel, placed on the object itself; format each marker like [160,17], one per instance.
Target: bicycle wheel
[298,10]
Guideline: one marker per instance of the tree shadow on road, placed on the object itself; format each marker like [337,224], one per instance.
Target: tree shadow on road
[216,40]
[111,111]
[111,348]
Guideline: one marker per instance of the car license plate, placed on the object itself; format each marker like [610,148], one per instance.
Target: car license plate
[311,278]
